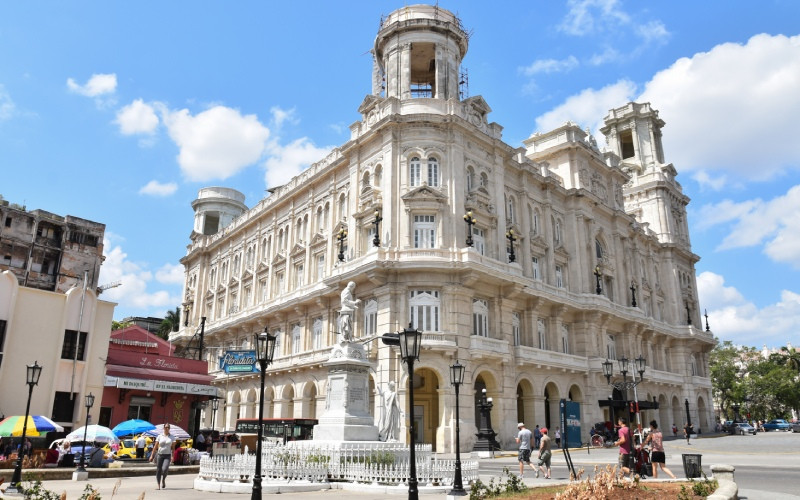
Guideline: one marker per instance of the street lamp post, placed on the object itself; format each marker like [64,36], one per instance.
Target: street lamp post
[597,274]
[511,240]
[705,311]
[410,342]
[688,417]
[214,408]
[470,220]
[33,373]
[376,241]
[633,294]
[640,364]
[456,379]
[88,403]
[265,351]
[341,237]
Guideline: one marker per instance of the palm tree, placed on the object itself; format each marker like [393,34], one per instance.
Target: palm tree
[791,358]
[170,323]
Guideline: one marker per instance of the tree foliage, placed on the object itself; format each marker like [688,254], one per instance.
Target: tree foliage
[171,323]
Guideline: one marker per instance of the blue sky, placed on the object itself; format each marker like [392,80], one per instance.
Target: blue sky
[118,112]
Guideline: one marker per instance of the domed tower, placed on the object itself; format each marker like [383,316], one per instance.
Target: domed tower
[418,53]
[215,208]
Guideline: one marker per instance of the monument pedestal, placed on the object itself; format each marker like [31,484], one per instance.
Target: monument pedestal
[346,416]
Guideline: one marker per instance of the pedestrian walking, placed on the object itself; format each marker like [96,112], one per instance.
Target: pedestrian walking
[524,440]
[537,436]
[624,443]
[162,453]
[140,444]
[657,457]
[544,455]
[558,437]
[687,431]
[200,442]
[674,430]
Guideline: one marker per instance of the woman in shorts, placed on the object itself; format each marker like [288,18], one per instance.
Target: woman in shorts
[657,457]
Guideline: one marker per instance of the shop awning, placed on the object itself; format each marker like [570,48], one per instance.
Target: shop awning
[156,374]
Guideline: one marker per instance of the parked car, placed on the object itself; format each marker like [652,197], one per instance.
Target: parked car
[796,427]
[743,428]
[727,425]
[777,424]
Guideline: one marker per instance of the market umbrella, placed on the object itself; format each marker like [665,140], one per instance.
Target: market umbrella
[94,433]
[130,427]
[38,425]
[174,431]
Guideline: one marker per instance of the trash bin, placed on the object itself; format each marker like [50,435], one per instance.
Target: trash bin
[692,465]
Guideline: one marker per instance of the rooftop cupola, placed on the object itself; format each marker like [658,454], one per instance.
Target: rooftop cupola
[418,53]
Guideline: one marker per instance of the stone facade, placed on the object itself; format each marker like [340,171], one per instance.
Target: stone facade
[49,251]
[592,232]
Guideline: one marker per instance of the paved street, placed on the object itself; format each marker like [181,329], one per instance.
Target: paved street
[766,468]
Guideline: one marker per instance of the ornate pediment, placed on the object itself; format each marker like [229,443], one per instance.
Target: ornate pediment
[248,273]
[262,267]
[278,259]
[209,293]
[318,240]
[297,249]
[424,194]
[233,281]
[369,103]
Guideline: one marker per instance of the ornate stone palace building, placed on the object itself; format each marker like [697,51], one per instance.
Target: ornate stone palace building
[578,254]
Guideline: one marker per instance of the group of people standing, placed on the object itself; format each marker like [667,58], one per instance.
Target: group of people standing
[625,442]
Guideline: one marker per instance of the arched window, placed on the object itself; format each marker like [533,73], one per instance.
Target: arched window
[342,207]
[378,177]
[298,231]
[318,220]
[365,182]
[480,318]
[414,172]
[280,240]
[327,214]
[484,180]
[557,231]
[598,249]
[470,179]
[510,213]
[424,309]
[433,172]
[297,338]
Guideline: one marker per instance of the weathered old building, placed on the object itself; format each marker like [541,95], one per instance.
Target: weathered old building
[570,255]
[49,251]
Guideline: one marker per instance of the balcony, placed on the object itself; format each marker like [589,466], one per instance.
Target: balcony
[525,355]
[484,347]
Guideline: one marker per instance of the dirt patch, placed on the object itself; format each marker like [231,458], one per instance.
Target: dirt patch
[644,491]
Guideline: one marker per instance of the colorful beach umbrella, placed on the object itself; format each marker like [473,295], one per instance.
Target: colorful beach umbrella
[130,427]
[38,425]
[94,433]
[174,431]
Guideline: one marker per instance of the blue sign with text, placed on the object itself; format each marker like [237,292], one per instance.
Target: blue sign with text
[238,362]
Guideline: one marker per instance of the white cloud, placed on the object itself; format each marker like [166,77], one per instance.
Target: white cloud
[287,161]
[172,274]
[135,278]
[7,106]
[550,66]
[734,318]
[774,223]
[137,117]
[608,55]
[653,32]
[280,115]
[717,105]
[217,143]
[591,16]
[155,188]
[97,85]
[714,183]
[588,107]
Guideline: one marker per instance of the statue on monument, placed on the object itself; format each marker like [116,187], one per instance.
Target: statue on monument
[349,305]
[389,423]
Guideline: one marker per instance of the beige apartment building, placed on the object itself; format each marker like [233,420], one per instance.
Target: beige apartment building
[530,265]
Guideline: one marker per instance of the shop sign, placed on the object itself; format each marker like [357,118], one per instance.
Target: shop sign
[135,383]
[159,385]
[238,362]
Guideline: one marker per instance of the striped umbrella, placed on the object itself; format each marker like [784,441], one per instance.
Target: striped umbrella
[38,425]
[174,431]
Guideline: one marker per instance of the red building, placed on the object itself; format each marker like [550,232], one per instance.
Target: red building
[145,381]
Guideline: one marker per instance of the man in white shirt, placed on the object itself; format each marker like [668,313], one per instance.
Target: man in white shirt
[140,444]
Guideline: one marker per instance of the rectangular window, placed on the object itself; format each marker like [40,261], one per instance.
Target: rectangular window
[318,333]
[296,339]
[320,266]
[424,231]
[480,318]
[433,172]
[542,330]
[371,318]
[63,406]
[611,347]
[73,341]
[537,272]
[414,172]
[515,328]
[279,284]
[8,221]
[559,277]
[424,310]
[300,275]
[479,240]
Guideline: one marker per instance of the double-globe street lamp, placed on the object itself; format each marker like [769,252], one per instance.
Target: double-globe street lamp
[410,343]
[265,352]
[376,241]
[640,364]
[470,220]
[88,403]
[33,373]
[456,379]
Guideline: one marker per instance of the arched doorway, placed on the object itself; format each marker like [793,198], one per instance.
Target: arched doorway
[484,380]
[250,410]
[677,413]
[525,407]
[269,396]
[663,416]
[309,409]
[232,413]
[551,400]
[702,414]
[427,417]
[288,402]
